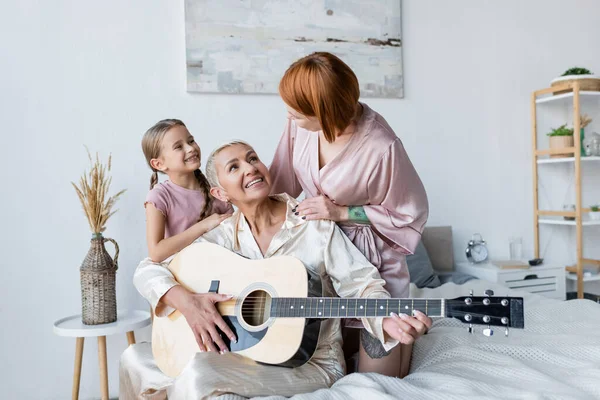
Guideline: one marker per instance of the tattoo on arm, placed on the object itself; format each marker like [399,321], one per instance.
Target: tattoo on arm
[358,214]
[372,345]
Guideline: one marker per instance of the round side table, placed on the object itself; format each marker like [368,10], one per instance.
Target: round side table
[72,326]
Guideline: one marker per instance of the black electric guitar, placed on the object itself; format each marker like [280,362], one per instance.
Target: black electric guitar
[274,320]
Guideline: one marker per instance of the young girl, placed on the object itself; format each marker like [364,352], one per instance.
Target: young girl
[180,209]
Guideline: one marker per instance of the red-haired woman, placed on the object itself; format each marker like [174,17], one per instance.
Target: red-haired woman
[353,169]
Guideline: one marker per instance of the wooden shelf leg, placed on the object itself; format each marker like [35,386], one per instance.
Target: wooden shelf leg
[130,338]
[103,367]
[77,368]
[578,189]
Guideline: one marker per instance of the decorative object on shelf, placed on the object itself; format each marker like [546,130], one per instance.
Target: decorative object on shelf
[584,121]
[592,144]
[561,137]
[536,261]
[587,80]
[569,208]
[595,212]
[589,271]
[515,247]
[476,250]
[98,270]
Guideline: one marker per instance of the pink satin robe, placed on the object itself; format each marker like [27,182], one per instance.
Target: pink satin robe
[372,171]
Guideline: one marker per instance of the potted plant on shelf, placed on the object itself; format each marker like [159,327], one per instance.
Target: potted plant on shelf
[561,137]
[595,212]
[587,80]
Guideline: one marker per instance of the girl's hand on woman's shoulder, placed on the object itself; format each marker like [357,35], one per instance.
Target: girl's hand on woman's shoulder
[406,328]
[321,207]
[211,222]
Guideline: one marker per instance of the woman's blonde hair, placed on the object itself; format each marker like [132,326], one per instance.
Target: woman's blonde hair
[211,168]
[151,144]
[323,86]
[213,179]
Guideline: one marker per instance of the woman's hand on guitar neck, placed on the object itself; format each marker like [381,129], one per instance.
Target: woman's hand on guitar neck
[202,316]
[405,328]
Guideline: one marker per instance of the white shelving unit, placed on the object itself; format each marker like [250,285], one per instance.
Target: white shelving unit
[561,221]
[561,108]
[566,98]
[566,160]
[594,278]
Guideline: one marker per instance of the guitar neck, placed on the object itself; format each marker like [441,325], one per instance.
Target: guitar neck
[334,307]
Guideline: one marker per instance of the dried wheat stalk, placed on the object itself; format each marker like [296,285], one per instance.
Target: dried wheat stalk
[584,120]
[92,192]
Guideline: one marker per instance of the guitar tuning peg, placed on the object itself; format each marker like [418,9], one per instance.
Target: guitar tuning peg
[470,330]
[489,292]
[471,292]
[506,331]
[488,331]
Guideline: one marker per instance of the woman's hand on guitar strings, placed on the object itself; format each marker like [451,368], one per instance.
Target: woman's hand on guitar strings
[202,316]
[406,329]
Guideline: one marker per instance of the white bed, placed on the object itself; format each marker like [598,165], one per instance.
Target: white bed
[556,356]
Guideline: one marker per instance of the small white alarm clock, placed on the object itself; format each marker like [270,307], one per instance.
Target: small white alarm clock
[476,251]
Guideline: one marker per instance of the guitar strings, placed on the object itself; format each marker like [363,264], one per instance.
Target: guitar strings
[317,306]
[257,305]
[356,298]
[351,315]
[249,300]
[280,301]
[260,312]
[280,304]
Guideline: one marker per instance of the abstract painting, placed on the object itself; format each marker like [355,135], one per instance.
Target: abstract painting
[245,46]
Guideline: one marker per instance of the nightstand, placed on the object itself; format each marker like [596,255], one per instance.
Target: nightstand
[127,321]
[545,280]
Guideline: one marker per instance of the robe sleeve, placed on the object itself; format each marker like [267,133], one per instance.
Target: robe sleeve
[352,275]
[283,176]
[152,280]
[398,207]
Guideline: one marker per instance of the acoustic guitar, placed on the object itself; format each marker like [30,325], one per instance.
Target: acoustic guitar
[273,318]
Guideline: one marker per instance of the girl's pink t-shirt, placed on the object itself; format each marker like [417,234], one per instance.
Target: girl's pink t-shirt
[180,206]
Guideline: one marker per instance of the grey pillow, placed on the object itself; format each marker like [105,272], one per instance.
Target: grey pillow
[420,268]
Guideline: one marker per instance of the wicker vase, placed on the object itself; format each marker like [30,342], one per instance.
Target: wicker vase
[98,275]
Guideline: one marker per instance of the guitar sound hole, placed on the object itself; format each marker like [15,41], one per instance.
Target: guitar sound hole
[255,308]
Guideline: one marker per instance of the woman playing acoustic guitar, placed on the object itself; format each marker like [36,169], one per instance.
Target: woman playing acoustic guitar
[262,227]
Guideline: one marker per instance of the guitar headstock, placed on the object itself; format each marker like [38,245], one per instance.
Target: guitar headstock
[488,310]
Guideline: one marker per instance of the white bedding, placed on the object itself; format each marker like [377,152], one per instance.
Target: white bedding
[556,356]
